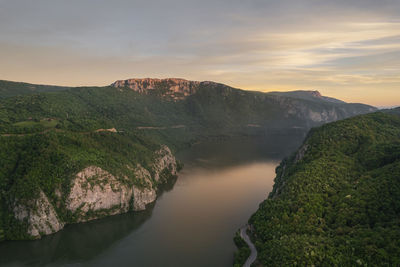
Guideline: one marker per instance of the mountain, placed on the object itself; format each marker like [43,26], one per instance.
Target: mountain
[9,89]
[88,152]
[309,95]
[307,107]
[336,201]
[207,108]
[392,111]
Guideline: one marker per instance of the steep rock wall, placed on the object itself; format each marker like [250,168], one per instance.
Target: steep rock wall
[40,215]
[175,88]
[96,193]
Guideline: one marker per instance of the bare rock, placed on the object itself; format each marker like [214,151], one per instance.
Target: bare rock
[164,160]
[142,197]
[97,193]
[95,189]
[174,88]
[41,217]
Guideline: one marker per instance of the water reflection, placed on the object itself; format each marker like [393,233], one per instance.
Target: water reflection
[76,243]
[242,150]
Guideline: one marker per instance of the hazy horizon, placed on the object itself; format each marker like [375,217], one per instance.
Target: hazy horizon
[66,85]
[347,50]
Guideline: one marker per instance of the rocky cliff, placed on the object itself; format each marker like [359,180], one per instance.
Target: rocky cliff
[95,193]
[40,216]
[174,88]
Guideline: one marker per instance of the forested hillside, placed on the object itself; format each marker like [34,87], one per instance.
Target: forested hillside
[9,89]
[215,108]
[336,202]
[48,162]
[393,111]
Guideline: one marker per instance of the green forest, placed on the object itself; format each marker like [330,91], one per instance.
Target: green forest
[336,202]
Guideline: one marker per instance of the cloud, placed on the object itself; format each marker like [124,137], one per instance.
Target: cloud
[339,46]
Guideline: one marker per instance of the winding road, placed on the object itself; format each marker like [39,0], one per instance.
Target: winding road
[253,254]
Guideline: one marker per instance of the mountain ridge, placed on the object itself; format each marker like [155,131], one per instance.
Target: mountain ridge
[174,88]
[313,95]
[179,88]
[12,88]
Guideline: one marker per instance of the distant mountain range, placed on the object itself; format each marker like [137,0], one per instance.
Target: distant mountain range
[309,95]
[392,111]
[133,103]
[58,141]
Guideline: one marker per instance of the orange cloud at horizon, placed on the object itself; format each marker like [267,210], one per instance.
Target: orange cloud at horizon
[349,51]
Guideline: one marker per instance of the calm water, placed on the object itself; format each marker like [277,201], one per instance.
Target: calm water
[191,224]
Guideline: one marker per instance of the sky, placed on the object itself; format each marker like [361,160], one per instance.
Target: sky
[348,49]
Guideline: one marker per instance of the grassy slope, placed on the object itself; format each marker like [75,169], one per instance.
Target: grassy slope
[340,204]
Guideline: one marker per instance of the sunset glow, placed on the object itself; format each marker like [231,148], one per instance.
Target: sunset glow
[345,49]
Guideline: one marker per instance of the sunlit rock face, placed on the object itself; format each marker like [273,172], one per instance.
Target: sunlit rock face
[174,88]
[96,192]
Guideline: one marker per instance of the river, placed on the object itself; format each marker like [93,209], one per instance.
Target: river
[192,222]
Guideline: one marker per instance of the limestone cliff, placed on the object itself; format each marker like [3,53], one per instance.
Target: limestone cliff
[174,88]
[163,162]
[40,216]
[96,190]
[95,193]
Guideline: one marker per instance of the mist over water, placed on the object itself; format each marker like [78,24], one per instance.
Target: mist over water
[191,224]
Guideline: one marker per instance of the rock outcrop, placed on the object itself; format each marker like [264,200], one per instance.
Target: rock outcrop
[40,215]
[163,162]
[175,88]
[96,193]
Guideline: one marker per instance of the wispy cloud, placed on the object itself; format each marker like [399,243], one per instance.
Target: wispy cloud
[348,49]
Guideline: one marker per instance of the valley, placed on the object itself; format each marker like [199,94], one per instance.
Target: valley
[80,154]
[199,133]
